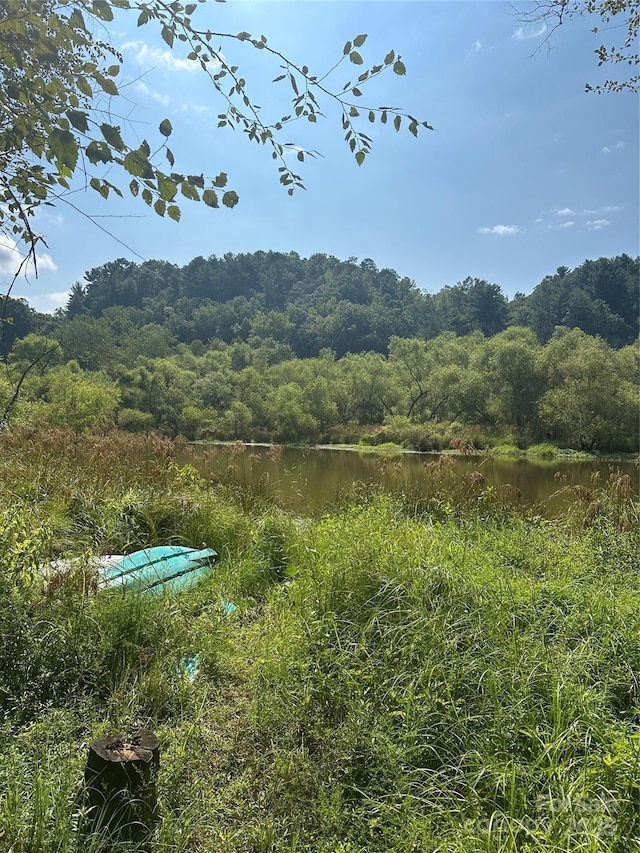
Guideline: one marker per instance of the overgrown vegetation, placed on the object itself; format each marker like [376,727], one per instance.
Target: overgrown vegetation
[270,347]
[433,671]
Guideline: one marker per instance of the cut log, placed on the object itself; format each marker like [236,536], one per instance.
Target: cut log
[120,786]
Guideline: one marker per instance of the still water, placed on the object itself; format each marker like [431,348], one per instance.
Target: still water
[308,480]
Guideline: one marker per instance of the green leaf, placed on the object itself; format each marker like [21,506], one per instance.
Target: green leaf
[138,165]
[83,84]
[360,40]
[98,185]
[113,70]
[78,119]
[146,196]
[360,156]
[166,127]
[64,147]
[76,21]
[189,191]
[112,135]
[390,57]
[220,180]
[98,152]
[356,92]
[167,35]
[116,189]
[101,9]
[169,154]
[159,207]
[399,68]
[106,85]
[347,48]
[355,57]
[397,122]
[167,188]
[190,8]
[173,211]
[230,199]
[210,198]
[134,186]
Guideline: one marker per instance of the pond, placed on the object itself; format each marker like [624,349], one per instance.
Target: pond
[308,480]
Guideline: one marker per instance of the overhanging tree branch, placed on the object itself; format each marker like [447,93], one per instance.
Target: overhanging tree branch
[59,82]
[554,13]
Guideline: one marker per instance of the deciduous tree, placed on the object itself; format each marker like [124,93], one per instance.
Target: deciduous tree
[61,80]
[623,16]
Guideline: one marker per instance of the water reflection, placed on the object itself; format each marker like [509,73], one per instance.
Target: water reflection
[309,480]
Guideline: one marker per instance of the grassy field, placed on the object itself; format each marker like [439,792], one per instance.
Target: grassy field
[432,671]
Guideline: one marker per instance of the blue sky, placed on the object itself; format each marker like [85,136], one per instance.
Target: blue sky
[523,172]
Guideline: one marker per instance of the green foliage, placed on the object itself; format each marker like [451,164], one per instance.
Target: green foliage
[614,15]
[579,406]
[236,380]
[323,303]
[599,297]
[432,687]
[59,83]
[397,677]
[17,320]
[472,305]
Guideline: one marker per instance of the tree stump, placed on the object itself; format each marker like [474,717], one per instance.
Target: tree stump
[120,786]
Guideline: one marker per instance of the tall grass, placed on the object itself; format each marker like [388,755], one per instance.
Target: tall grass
[429,670]
[456,687]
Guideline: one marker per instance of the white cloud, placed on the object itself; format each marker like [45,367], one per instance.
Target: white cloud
[539,219]
[501,230]
[198,109]
[525,33]
[153,57]
[617,147]
[567,211]
[597,224]
[143,89]
[47,303]
[477,46]
[11,258]
[569,224]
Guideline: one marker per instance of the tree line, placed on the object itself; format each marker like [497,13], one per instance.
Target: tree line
[305,305]
[575,391]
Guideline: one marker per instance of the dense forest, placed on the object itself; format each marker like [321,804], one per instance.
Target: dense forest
[271,346]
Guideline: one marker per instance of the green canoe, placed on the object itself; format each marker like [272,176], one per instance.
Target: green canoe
[156,569]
